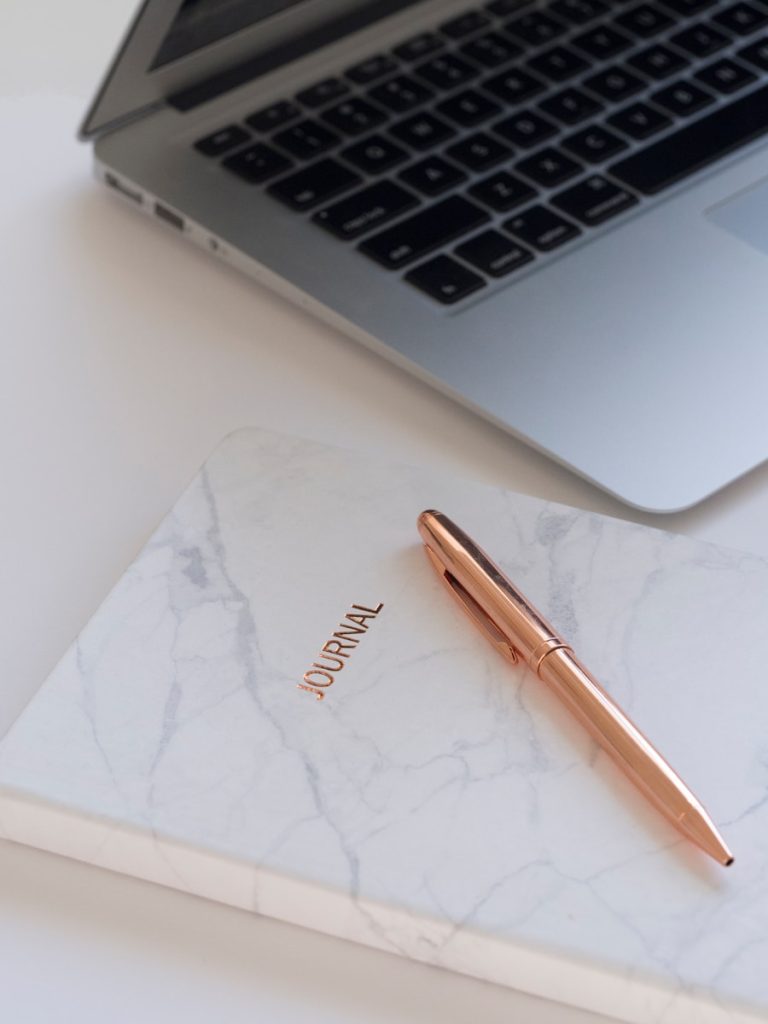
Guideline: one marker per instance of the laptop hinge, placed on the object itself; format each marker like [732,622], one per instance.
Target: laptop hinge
[222,82]
[122,121]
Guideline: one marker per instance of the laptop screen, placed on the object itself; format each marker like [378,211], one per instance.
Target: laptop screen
[202,22]
[186,52]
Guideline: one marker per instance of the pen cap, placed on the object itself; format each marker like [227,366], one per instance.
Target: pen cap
[458,556]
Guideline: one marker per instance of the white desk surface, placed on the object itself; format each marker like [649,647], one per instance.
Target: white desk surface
[126,355]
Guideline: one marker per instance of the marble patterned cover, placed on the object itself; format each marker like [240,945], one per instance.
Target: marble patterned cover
[438,803]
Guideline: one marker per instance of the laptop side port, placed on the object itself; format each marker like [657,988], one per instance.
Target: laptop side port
[122,188]
[169,216]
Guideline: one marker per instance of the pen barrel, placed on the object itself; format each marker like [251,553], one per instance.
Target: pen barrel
[564,674]
[456,555]
[517,630]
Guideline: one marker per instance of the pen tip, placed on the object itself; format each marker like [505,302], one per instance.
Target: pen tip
[696,825]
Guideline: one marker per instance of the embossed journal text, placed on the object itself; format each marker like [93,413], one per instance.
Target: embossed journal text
[336,651]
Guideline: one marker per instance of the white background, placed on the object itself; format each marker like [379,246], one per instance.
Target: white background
[125,356]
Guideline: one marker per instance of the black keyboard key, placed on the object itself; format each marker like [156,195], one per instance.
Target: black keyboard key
[305,139]
[725,76]
[658,61]
[688,7]
[419,46]
[536,28]
[314,184]
[696,145]
[447,71]
[594,200]
[602,42]
[354,116]
[494,253]
[433,175]
[756,54]
[578,12]
[513,86]
[468,108]
[465,25]
[222,141]
[615,84]
[422,131]
[742,18]
[548,167]
[491,50]
[571,106]
[682,98]
[365,210]
[445,280]
[372,68]
[420,234]
[502,191]
[541,228]
[257,163]
[273,116]
[645,20]
[375,154]
[322,92]
[700,40]
[639,120]
[504,8]
[400,94]
[478,152]
[526,129]
[557,64]
[594,144]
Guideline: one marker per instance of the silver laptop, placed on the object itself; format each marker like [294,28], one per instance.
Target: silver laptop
[555,212]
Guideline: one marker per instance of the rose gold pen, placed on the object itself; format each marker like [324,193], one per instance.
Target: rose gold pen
[519,632]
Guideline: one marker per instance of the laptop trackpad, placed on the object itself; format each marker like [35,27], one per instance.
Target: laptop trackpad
[745,215]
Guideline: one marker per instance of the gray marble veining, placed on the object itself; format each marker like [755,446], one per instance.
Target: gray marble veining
[437,803]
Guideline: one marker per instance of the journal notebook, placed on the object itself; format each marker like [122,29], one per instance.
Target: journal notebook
[437,802]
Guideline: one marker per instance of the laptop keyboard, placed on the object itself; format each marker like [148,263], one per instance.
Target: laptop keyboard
[467,153]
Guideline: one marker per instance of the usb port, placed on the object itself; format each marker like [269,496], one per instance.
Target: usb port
[169,216]
[124,190]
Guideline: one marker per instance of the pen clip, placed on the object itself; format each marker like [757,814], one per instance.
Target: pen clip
[493,633]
